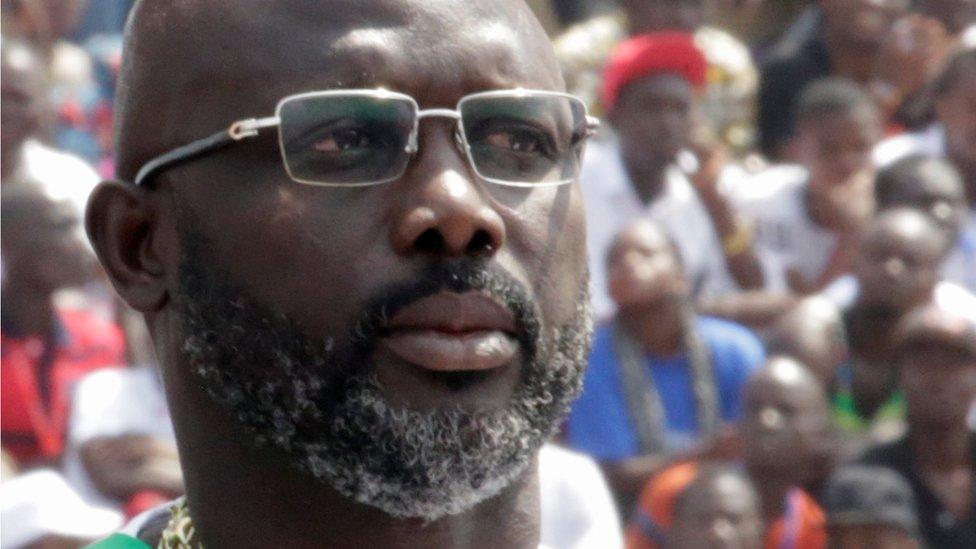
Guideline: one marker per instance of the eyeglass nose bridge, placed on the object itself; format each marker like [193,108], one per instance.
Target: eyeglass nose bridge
[413,146]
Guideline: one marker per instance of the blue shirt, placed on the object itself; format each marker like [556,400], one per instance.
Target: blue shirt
[599,423]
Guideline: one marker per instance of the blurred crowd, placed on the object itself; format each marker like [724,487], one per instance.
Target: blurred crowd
[781,211]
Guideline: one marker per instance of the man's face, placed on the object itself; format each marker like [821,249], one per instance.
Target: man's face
[939,382]
[411,343]
[653,118]
[957,112]
[941,198]
[724,515]
[838,147]
[41,246]
[863,23]
[643,268]
[896,268]
[784,424]
[869,536]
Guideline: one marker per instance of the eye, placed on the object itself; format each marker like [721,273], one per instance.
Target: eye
[523,141]
[343,139]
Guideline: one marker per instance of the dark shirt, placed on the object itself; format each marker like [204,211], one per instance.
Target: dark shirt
[798,59]
[938,526]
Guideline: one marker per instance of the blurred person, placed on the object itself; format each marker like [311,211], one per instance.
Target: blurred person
[578,511]
[870,507]
[46,349]
[811,332]
[646,170]
[40,511]
[956,15]
[728,96]
[843,40]
[369,366]
[121,449]
[785,429]
[897,269]
[701,506]
[953,91]
[807,219]
[935,187]
[719,509]
[936,350]
[23,108]
[662,382]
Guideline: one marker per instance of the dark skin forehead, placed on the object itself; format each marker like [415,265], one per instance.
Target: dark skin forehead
[907,232]
[641,236]
[191,68]
[785,381]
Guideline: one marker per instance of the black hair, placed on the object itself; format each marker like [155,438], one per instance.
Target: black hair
[960,63]
[905,173]
[833,96]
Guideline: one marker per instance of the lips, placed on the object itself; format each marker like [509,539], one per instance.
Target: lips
[452,332]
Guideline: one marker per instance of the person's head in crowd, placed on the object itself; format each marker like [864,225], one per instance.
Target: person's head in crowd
[644,269]
[649,88]
[897,265]
[870,506]
[956,15]
[812,332]
[41,248]
[860,25]
[645,16]
[928,184]
[718,509]
[936,350]
[390,336]
[21,100]
[785,423]
[955,106]
[42,22]
[837,127]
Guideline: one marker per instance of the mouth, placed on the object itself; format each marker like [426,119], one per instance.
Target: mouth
[452,332]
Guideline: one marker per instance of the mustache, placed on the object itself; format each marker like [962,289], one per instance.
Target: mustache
[459,276]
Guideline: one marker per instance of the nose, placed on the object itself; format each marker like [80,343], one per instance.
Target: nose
[894,267]
[770,419]
[444,211]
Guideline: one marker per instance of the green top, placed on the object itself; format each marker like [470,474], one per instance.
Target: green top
[118,541]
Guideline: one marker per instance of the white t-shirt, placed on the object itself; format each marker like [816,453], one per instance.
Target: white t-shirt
[928,142]
[111,403]
[578,511]
[63,176]
[773,203]
[612,204]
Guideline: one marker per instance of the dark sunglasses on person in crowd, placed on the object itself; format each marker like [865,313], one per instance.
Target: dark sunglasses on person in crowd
[355,138]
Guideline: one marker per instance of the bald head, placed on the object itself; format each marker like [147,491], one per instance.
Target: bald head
[193,67]
[785,421]
[813,333]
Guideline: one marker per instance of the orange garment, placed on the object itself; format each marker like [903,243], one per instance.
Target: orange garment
[802,526]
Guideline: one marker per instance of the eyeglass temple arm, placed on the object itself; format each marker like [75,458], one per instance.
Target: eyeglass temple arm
[238,130]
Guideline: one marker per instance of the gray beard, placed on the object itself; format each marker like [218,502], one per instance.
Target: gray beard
[322,408]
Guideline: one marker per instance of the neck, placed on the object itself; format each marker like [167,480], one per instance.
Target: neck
[657,327]
[240,495]
[772,490]
[941,447]
[648,178]
[26,308]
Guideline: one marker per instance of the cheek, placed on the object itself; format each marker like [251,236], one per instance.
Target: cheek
[546,246]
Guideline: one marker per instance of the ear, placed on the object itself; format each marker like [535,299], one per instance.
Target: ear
[123,228]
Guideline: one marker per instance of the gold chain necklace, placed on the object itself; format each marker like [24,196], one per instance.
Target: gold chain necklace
[179,532]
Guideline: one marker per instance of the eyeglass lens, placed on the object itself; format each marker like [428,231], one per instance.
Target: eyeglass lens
[361,139]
